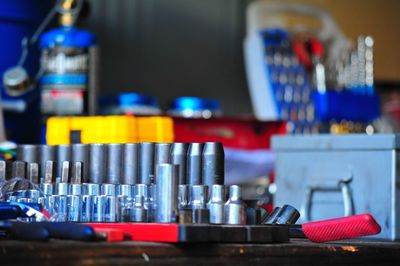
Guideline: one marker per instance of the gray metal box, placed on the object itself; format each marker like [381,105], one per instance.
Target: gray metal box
[327,176]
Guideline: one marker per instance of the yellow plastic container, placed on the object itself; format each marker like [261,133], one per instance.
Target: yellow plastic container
[155,129]
[109,129]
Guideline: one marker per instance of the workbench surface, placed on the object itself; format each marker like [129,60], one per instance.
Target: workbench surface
[297,252]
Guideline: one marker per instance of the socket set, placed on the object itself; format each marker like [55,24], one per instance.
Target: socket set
[135,182]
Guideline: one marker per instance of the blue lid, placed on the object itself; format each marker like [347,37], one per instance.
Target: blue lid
[67,37]
[194,103]
[129,99]
[64,79]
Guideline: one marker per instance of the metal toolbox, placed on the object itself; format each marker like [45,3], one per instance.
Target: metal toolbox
[327,176]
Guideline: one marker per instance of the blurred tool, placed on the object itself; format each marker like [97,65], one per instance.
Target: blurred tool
[194,107]
[129,103]
[314,76]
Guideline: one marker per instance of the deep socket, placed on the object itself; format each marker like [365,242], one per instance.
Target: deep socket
[161,155]
[235,209]
[213,164]
[146,163]
[98,163]
[28,153]
[216,204]
[167,193]
[114,163]
[130,169]
[64,154]
[178,157]
[80,153]
[194,165]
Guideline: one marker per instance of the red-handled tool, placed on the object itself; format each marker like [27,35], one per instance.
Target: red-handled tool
[325,230]
[341,228]
[337,228]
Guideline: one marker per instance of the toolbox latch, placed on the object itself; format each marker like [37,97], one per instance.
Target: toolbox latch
[342,186]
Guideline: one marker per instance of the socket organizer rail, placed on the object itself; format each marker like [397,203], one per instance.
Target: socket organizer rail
[135,182]
[144,191]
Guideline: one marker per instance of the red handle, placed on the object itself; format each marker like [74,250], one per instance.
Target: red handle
[341,228]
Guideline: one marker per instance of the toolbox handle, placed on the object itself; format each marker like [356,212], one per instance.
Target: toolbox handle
[341,228]
[342,186]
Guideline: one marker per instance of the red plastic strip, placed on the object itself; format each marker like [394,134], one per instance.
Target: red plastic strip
[112,235]
[341,228]
[153,232]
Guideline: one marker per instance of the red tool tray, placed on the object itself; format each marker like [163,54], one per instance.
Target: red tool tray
[193,233]
[241,133]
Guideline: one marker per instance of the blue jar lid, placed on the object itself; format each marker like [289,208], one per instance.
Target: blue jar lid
[195,103]
[129,99]
[67,37]
[64,79]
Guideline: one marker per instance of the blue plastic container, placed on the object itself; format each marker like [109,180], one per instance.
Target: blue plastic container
[346,105]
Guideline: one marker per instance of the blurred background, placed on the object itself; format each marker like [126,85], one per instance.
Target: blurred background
[178,47]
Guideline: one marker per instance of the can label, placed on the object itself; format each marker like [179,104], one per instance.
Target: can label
[64,84]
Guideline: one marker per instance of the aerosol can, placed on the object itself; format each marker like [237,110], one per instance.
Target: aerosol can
[69,66]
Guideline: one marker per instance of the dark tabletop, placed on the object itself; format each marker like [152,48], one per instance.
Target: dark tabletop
[297,252]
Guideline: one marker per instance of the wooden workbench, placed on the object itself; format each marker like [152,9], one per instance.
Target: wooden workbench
[297,252]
